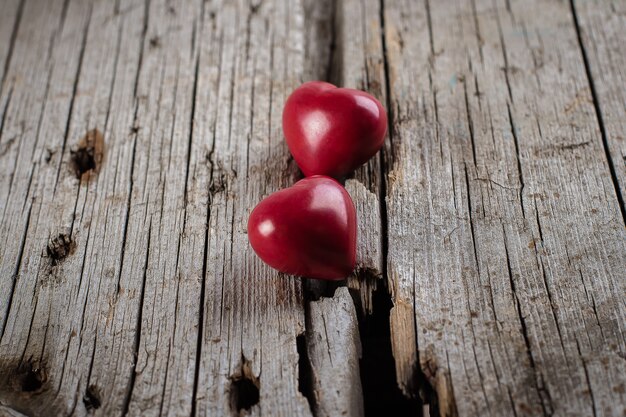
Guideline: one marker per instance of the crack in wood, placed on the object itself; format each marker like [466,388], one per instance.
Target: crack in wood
[244,389]
[74,91]
[138,327]
[435,249]
[12,40]
[92,398]
[598,112]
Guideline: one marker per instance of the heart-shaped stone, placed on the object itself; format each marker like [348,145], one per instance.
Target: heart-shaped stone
[308,229]
[332,131]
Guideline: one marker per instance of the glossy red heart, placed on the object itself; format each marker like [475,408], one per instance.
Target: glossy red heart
[332,131]
[308,229]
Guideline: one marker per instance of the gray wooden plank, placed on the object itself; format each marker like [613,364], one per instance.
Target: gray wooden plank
[334,348]
[603,45]
[506,242]
[600,26]
[9,24]
[128,291]
[63,304]
[131,289]
[358,63]
[252,314]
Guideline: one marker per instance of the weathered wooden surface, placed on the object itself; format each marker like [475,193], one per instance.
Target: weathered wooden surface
[136,136]
[600,25]
[506,242]
[334,351]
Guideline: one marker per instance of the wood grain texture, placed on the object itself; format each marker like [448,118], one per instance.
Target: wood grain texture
[506,242]
[130,288]
[358,63]
[334,348]
[600,26]
[137,135]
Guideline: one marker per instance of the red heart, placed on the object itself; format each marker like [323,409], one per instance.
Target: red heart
[308,229]
[332,131]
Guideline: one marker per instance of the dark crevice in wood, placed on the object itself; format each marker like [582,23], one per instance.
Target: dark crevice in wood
[478,94]
[60,248]
[598,112]
[319,52]
[30,329]
[472,227]
[80,283]
[167,368]
[137,342]
[205,254]
[129,199]
[92,398]
[479,38]
[545,402]
[305,372]
[251,13]
[16,272]
[382,198]
[190,138]
[332,73]
[363,279]
[231,100]
[63,366]
[433,91]
[91,362]
[173,110]
[24,386]
[118,48]
[81,55]
[250,133]
[553,308]
[430,33]
[44,339]
[592,300]
[452,411]
[244,389]
[508,392]
[154,42]
[364,31]
[144,31]
[519,162]
[504,57]
[30,182]
[539,228]
[381,393]
[82,319]
[16,26]
[4,148]
[544,275]
[74,211]
[587,380]
[34,377]
[470,123]
[315,289]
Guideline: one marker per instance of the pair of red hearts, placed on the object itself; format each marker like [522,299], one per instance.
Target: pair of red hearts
[309,229]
